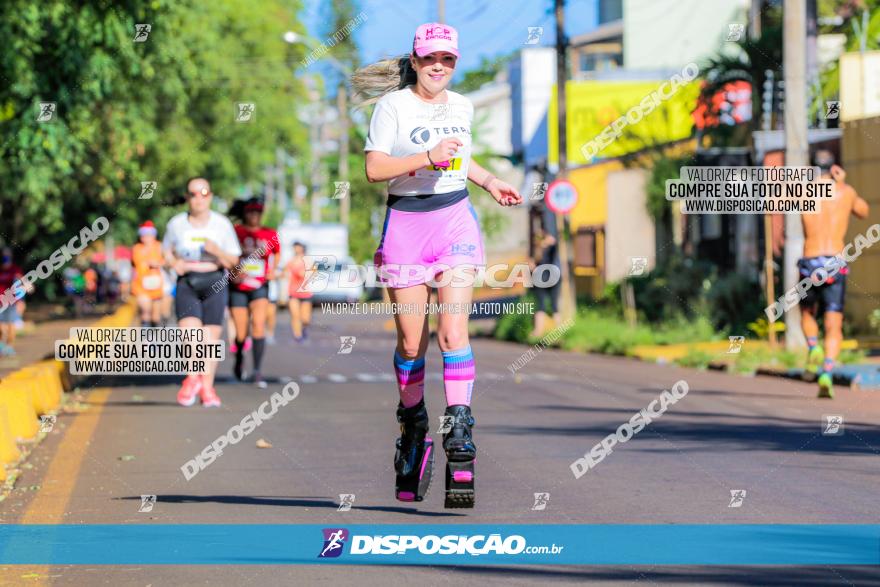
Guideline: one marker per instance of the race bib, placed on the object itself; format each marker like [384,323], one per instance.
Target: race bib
[151,282]
[256,269]
[450,168]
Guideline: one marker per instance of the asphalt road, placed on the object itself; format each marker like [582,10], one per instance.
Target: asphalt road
[763,435]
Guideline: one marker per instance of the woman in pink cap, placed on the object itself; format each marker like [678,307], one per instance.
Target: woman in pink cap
[420,143]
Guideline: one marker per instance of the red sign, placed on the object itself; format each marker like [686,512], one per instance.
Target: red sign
[561,196]
[730,105]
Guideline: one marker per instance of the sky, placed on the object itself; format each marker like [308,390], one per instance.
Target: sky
[486,27]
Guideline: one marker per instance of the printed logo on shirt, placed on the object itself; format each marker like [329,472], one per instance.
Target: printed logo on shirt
[420,135]
[451,130]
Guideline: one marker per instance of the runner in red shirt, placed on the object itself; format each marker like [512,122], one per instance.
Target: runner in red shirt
[249,294]
[9,273]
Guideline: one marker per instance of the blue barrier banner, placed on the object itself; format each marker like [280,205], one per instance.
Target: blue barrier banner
[441,544]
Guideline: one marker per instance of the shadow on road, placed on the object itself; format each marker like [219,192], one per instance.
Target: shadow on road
[708,431]
[261,500]
[131,403]
[809,391]
[763,575]
[123,381]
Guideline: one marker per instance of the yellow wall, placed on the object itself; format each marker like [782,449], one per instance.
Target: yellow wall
[592,206]
[592,105]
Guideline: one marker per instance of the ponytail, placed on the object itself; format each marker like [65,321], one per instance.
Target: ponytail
[372,82]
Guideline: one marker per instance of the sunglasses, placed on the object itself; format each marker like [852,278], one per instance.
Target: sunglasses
[204,192]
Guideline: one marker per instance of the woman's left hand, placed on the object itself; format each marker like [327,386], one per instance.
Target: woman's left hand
[504,193]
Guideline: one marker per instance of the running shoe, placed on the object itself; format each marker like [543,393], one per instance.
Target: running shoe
[259,381]
[826,389]
[210,399]
[814,360]
[189,391]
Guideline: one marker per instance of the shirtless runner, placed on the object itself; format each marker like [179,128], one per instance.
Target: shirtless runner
[823,239]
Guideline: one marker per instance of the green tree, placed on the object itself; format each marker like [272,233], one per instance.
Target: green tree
[850,15]
[160,110]
[484,73]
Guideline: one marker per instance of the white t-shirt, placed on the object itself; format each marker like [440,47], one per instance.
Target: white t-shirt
[403,125]
[188,242]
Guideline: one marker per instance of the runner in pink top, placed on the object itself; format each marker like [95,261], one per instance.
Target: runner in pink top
[420,143]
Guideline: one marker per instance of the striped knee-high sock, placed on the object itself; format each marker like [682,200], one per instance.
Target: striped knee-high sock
[828,365]
[410,379]
[459,373]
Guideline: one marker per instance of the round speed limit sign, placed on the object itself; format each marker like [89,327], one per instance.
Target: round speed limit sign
[561,196]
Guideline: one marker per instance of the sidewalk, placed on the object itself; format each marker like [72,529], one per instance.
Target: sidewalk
[37,345]
[33,386]
[864,375]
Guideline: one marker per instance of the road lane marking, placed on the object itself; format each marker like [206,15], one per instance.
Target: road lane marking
[49,504]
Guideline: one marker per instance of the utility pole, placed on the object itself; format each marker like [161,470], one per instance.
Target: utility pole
[316,138]
[441,11]
[814,88]
[560,84]
[567,303]
[342,106]
[797,147]
[755,19]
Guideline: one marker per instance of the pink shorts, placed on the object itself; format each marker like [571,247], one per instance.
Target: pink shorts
[416,246]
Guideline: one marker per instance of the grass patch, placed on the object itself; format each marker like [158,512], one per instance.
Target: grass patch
[696,359]
[595,331]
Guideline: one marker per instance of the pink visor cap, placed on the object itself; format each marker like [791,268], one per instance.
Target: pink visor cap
[434,37]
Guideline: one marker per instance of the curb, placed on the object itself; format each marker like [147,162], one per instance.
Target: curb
[38,390]
[859,377]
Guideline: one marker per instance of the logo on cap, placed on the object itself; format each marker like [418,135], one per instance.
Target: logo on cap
[438,32]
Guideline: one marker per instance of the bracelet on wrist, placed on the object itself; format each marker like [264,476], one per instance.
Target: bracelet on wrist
[428,153]
[485,184]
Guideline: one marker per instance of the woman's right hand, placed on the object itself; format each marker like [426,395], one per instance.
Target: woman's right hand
[444,150]
[180,266]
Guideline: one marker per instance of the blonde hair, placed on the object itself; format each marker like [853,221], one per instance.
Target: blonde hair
[372,82]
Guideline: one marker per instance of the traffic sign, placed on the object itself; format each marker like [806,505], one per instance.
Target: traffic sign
[561,196]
